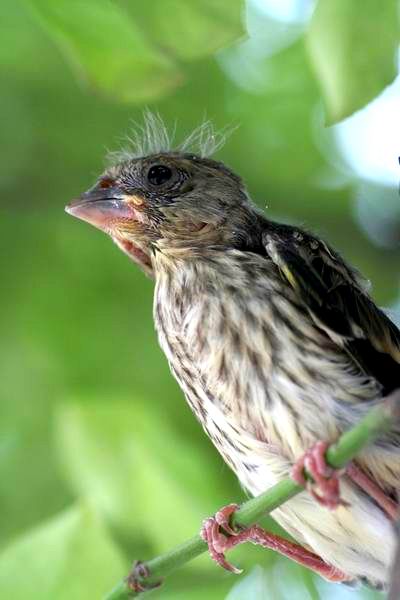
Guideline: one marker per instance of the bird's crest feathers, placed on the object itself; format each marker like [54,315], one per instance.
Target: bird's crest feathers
[153,137]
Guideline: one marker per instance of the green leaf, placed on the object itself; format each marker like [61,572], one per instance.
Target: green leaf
[125,57]
[191,29]
[353,49]
[107,48]
[129,461]
[70,557]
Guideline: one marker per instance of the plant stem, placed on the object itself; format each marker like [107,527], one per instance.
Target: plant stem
[379,420]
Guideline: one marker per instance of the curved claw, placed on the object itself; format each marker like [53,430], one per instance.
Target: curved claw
[223,517]
[325,478]
[219,543]
[216,540]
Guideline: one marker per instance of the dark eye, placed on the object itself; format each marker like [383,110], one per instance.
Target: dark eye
[159,174]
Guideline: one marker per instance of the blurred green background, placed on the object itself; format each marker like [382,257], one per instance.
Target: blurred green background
[101,460]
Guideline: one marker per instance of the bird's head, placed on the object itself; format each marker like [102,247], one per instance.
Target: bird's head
[171,202]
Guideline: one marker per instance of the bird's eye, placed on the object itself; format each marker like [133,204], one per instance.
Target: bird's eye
[159,174]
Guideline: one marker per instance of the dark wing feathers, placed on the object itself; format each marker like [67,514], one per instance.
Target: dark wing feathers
[338,302]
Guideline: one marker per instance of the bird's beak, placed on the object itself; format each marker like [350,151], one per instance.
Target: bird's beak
[108,209]
[100,208]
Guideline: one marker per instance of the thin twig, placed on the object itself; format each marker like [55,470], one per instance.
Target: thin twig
[378,421]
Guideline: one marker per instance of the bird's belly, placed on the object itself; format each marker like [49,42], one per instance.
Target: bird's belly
[350,538]
[264,396]
[283,398]
[259,389]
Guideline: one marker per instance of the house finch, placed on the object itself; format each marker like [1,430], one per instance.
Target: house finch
[275,343]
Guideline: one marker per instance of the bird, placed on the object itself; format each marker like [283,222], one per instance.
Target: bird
[274,340]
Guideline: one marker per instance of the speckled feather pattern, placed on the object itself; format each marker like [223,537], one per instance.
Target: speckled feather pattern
[271,335]
[251,363]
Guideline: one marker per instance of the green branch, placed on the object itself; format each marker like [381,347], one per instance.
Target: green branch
[379,420]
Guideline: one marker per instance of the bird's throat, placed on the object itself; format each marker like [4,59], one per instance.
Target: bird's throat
[135,253]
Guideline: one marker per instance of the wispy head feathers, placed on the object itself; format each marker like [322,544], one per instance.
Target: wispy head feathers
[153,137]
[205,140]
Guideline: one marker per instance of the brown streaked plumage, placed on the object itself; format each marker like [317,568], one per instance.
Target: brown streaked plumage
[271,335]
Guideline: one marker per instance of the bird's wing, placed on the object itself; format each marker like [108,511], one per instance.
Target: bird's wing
[338,302]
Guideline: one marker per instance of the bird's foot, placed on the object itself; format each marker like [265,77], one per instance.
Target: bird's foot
[136,579]
[213,532]
[220,537]
[324,486]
